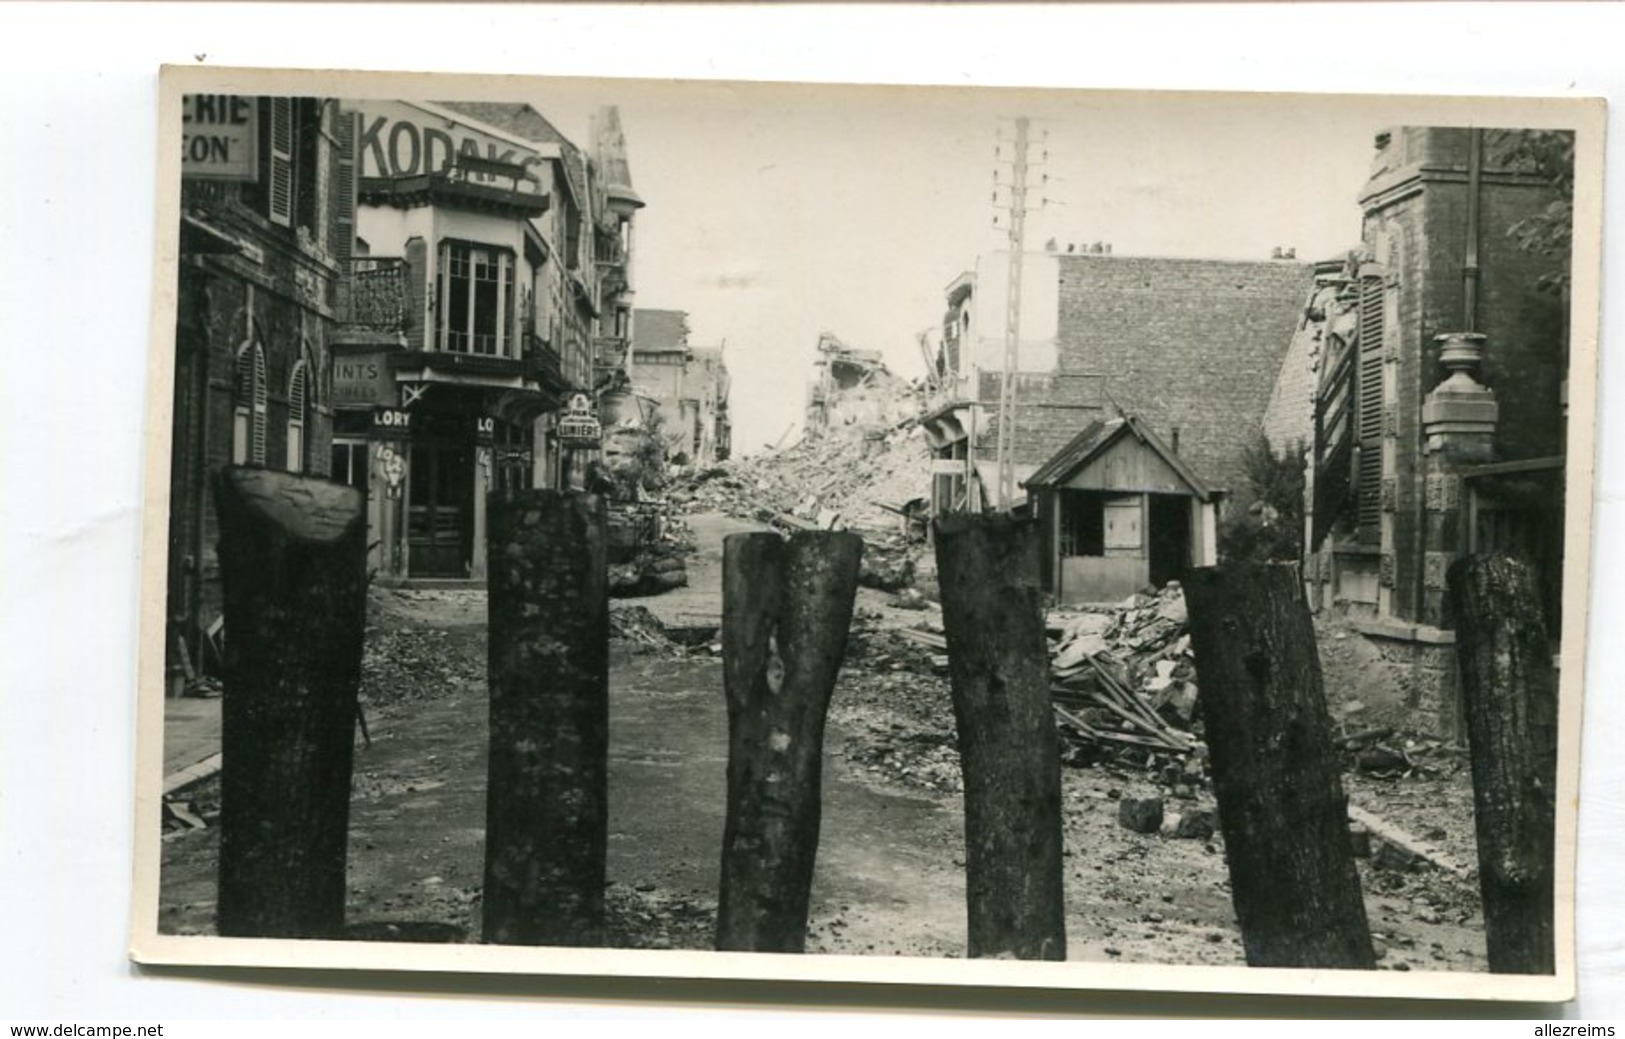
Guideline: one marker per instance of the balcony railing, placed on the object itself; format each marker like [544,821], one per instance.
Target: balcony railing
[544,364]
[377,294]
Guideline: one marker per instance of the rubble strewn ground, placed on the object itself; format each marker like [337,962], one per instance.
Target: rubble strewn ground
[891,867]
[1144,860]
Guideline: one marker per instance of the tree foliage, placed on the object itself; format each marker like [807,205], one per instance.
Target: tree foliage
[1549,154]
[1269,528]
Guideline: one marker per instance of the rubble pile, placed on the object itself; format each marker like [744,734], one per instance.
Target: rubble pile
[894,698]
[411,664]
[1124,674]
[855,477]
[655,568]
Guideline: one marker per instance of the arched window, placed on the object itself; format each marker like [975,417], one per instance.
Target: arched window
[248,406]
[298,395]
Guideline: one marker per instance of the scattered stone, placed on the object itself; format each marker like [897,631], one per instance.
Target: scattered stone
[1197,824]
[1142,815]
[1390,856]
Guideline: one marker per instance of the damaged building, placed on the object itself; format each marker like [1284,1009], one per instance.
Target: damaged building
[1142,384]
[685,388]
[854,387]
[1428,382]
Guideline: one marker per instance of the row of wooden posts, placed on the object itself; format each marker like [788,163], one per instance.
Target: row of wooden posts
[292,553]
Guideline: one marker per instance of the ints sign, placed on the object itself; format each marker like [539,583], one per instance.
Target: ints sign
[219,137]
[395,139]
[361,379]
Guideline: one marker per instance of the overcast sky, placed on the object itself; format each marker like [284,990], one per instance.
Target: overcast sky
[775,212]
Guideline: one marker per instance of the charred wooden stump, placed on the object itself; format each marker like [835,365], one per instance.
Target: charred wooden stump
[993,615]
[1509,693]
[786,612]
[293,573]
[1276,774]
[546,825]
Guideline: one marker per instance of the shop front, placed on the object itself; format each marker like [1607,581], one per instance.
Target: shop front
[426,467]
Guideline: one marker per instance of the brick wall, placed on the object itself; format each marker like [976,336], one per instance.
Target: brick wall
[285,295]
[1192,345]
[1422,235]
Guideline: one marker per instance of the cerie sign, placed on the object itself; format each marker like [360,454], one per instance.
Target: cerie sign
[402,140]
[219,137]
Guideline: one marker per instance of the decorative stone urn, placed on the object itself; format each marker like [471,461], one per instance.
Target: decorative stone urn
[1459,416]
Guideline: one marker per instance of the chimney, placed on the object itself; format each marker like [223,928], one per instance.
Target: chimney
[1275,253]
[1108,248]
[1291,253]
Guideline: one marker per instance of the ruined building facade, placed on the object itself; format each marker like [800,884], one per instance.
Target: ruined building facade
[684,387]
[1179,355]
[1439,363]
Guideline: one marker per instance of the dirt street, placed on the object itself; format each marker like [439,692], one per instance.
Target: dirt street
[890,875]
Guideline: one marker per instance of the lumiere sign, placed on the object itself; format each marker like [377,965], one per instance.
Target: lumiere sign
[219,137]
[579,427]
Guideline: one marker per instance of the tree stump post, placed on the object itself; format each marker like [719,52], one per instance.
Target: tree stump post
[786,613]
[1276,773]
[546,815]
[293,575]
[1510,700]
[993,616]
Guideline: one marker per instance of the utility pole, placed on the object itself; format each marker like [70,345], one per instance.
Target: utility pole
[1012,317]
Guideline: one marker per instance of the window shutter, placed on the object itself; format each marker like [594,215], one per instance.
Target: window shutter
[242,394]
[1335,436]
[1369,409]
[281,186]
[344,189]
[296,418]
[258,419]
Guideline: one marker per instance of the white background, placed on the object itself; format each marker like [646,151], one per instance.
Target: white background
[77,151]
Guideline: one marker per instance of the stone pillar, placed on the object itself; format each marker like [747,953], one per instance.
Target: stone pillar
[1458,430]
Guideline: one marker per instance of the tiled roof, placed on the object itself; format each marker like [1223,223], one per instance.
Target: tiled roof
[659,331]
[516,118]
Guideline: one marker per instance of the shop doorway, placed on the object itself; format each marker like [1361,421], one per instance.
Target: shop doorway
[440,510]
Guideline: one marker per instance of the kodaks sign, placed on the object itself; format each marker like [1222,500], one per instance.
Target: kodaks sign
[403,141]
[219,137]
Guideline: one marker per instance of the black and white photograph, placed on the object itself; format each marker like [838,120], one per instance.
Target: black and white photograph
[951,535]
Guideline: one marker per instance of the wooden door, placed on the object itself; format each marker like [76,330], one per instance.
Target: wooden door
[440,512]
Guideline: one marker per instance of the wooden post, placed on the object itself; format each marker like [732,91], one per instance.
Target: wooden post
[1276,774]
[1510,697]
[786,612]
[293,554]
[546,819]
[993,615]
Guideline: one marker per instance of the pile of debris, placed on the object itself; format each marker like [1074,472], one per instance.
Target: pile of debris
[1125,674]
[655,568]
[854,478]
[1123,677]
